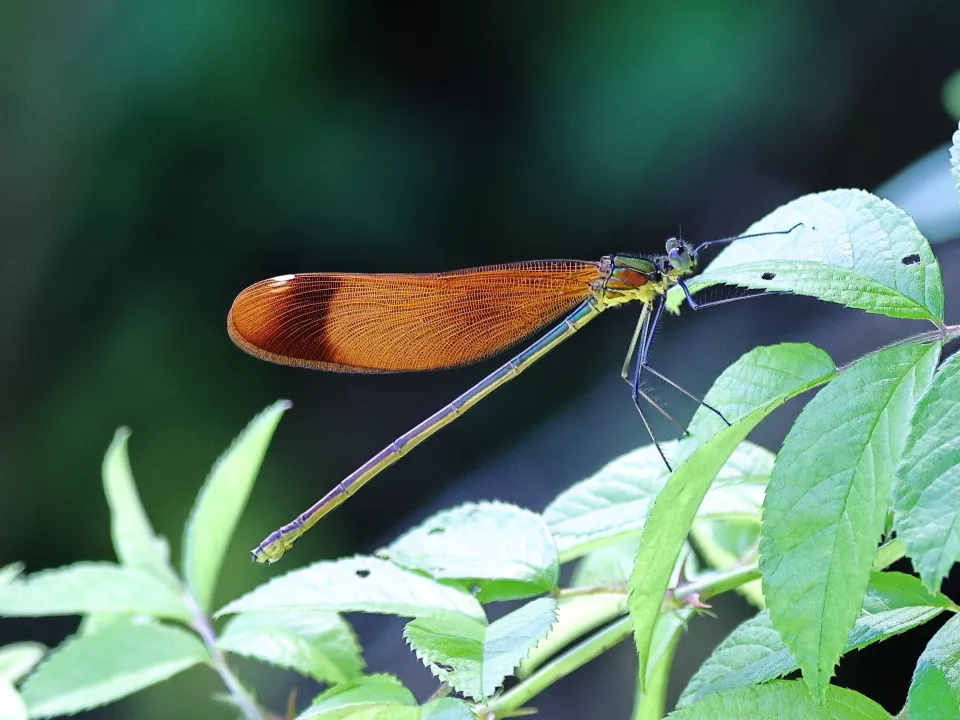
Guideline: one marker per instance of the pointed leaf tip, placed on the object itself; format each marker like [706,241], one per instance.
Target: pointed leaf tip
[134,540]
[221,501]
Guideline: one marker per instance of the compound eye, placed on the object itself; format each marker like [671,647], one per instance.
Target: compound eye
[680,258]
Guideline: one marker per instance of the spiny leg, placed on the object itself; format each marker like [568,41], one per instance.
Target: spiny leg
[646,424]
[643,333]
[629,370]
[642,364]
[684,391]
[700,306]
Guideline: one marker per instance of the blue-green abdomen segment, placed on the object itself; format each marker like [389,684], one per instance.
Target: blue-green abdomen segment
[279,541]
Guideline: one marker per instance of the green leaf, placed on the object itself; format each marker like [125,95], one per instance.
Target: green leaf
[935,689]
[95,622]
[613,503]
[221,501]
[85,672]
[9,573]
[17,659]
[827,502]
[727,530]
[927,490]
[358,584]
[955,157]
[754,652]
[134,540]
[362,699]
[724,544]
[442,709]
[473,657]
[746,392]
[895,602]
[516,559]
[667,632]
[578,615]
[783,699]
[85,588]
[447,709]
[853,248]
[321,645]
[609,566]
[12,706]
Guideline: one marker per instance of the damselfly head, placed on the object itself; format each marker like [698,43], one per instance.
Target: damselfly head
[682,256]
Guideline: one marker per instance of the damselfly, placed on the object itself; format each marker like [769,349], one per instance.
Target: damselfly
[383,323]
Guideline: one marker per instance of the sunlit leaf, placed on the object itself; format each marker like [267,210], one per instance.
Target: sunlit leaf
[727,530]
[935,689]
[95,622]
[517,557]
[134,540]
[754,652]
[726,543]
[221,502]
[745,393]
[85,588]
[92,670]
[609,566]
[782,699]
[828,499]
[927,490]
[10,572]
[321,645]
[446,709]
[473,657]
[613,503]
[358,584]
[12,706]
[362,699]
[17,659]
[853,248]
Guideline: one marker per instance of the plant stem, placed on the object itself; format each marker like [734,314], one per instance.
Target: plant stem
[888,554]
[243,699]
[600,642]
[560,666]
[717,582]
[650,704]
[591,590]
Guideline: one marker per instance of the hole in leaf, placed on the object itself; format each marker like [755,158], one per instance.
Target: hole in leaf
[444,667]
[436,531]
[911,259]
[363,573]
[475,589]
[768,276]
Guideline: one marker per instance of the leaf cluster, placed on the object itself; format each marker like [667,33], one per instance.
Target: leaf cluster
[869,473]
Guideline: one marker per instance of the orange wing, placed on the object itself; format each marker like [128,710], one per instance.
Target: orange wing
[394,322]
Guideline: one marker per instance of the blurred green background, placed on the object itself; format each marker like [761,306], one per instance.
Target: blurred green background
[158,157]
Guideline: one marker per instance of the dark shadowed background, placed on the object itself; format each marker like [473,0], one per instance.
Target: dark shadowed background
[158,157]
